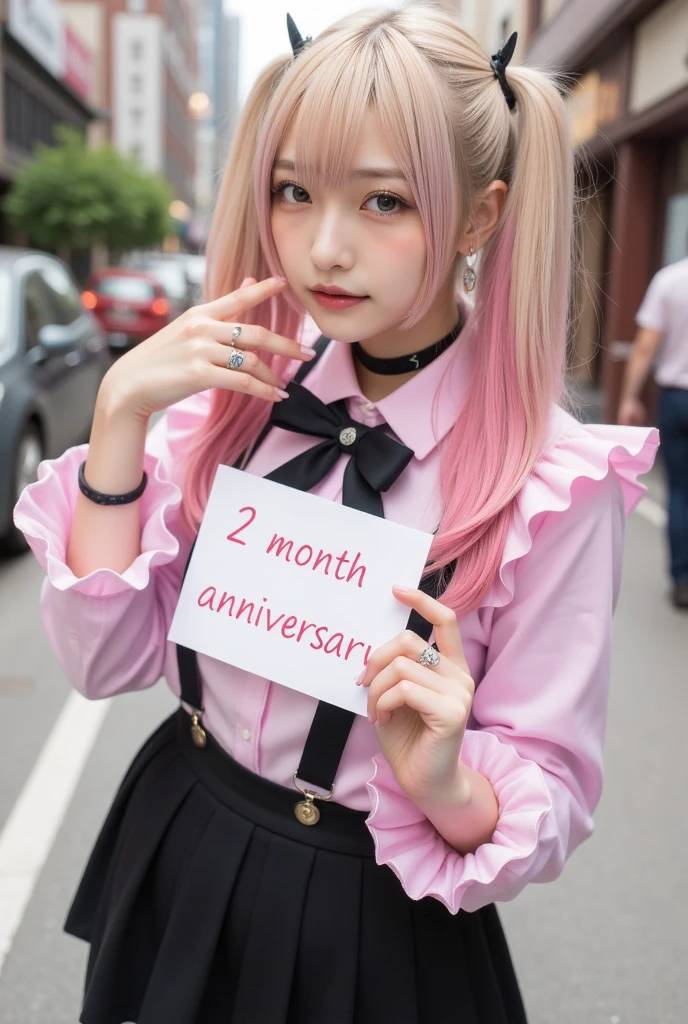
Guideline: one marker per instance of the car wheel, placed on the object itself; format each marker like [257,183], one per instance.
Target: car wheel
[29,454]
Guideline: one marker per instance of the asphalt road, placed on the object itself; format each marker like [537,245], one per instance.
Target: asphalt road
[606,944]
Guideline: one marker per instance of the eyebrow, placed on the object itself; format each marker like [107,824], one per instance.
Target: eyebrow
[360,172]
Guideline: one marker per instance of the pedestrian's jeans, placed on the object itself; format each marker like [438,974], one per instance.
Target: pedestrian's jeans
[673,433]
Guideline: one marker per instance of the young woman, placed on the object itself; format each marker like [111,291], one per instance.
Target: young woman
[367,173]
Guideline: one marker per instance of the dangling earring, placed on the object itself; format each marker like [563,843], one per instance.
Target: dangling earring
[469,274]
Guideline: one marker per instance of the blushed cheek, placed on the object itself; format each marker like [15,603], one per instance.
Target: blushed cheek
[292,247]
[280,236]
[403,256]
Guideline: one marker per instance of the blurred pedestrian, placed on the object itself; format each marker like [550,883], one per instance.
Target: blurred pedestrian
[662,339]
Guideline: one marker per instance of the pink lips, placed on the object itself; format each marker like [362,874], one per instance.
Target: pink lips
[338,301]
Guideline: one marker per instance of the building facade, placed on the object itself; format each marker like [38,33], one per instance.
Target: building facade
[629,109]
[147,71]
[493,21]
[218,63]
[45,80]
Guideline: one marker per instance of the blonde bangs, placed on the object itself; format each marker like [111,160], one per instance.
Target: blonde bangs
[328,116]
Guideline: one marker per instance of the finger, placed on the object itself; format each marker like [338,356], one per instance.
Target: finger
[403,668]
[407,644]
[443,619]
[430,706]
[244,298]
[253,336]
[251,364]
[234,380]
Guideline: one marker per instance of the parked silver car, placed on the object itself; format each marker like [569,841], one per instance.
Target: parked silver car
[53,356]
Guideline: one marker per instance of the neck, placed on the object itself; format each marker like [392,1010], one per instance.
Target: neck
[437,322]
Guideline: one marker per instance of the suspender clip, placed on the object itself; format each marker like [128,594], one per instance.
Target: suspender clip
[198,733]
[305,810]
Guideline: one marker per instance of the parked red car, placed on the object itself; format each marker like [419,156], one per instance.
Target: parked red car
[130,304]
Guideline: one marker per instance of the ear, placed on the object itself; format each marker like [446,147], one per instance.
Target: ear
[484,222]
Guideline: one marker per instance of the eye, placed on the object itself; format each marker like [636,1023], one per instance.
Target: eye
[299,196]
[387,202]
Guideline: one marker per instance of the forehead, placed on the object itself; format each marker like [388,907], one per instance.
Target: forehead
[370,149]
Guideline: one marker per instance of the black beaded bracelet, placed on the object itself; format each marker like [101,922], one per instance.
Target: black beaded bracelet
[109,499]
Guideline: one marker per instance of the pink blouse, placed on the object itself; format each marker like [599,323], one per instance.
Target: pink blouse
[539,646]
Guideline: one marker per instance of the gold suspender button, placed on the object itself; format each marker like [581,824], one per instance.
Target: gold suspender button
[305,810]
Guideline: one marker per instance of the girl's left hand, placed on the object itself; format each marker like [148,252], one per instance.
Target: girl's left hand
[421,712]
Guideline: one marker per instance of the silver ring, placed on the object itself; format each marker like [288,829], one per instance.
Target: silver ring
[236,333]
[429,657]
[236,360]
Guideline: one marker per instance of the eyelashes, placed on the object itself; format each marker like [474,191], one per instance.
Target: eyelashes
[279,191]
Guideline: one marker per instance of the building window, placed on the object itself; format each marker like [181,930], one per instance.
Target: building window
[136,115]
[27,120]
[136,151]
[136,6]
[136,83]
[136,49]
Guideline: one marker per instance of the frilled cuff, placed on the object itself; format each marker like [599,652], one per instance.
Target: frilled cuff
[426,865]
[45,511]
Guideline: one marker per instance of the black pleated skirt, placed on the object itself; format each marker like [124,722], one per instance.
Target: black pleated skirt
[205,901]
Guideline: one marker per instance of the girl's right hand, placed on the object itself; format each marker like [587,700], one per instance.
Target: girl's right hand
[191,354]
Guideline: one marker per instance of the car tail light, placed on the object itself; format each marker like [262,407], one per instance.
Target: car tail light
[160,307]
[89,299]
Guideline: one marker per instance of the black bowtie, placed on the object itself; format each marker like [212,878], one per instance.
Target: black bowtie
[377,460]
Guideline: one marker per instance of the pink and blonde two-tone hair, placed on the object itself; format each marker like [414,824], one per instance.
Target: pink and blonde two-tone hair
[434,92]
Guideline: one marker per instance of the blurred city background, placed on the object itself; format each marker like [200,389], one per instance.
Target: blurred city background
[115,120]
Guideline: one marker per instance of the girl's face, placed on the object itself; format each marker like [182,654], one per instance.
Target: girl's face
[365,237]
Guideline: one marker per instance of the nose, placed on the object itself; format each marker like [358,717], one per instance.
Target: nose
[331,246]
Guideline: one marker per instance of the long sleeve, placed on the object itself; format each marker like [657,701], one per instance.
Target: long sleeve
[108,630]
[539,713]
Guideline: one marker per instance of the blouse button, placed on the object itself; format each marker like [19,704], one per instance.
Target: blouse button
[245,734]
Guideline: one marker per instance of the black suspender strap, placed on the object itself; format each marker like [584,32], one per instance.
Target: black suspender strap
[331,726]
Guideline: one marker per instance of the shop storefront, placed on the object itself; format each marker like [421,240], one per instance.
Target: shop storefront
[630,119]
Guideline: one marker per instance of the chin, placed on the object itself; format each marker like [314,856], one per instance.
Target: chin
[341,325]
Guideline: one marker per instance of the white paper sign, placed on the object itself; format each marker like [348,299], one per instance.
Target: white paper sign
[293,587]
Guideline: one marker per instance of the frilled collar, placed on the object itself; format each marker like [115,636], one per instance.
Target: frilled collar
[420,412]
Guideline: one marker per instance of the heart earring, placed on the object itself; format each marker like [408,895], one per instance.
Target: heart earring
[469,275]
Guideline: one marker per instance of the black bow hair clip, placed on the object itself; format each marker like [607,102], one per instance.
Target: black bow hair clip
[295,38]
[499,61]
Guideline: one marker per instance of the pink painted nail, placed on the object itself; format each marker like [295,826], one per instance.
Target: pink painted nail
[402,590]
[360,678]
[281,393]
[279,280]
[307,352]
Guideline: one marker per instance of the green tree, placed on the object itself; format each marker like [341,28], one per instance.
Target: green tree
[72,196]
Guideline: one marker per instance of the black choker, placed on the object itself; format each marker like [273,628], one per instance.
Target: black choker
[405,364]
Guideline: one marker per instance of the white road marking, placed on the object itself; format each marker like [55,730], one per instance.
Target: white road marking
[652,511]
[33,823]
